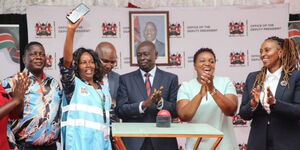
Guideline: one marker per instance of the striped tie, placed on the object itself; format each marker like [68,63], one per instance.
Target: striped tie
[148,83]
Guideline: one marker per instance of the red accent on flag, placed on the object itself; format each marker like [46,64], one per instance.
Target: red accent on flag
[294,32]
[6,36]
[137,30]
[130,5]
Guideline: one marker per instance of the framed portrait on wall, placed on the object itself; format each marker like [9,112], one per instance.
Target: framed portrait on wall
[149,26]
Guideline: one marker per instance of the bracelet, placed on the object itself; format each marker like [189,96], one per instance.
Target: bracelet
[213,92]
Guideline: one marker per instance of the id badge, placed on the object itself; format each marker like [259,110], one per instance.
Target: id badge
[106,133]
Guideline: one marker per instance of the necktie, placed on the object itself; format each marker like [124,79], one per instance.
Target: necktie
[148,83]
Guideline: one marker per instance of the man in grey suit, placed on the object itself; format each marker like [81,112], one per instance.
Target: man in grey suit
[108,57]
[150,33]
[136,103]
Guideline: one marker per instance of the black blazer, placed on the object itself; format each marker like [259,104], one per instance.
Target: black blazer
[132,91]
[284,117]
[113,81]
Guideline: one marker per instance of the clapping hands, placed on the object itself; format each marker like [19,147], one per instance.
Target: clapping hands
[154,98]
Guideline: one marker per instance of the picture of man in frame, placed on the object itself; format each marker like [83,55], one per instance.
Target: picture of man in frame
[150,33]
[153,27]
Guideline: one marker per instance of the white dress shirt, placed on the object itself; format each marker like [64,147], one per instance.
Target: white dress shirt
[271,81]
[151,78]
[105,80]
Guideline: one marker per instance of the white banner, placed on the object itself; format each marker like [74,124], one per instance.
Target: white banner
[234,33]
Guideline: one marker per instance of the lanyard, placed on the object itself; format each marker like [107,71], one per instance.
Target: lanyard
[103,101]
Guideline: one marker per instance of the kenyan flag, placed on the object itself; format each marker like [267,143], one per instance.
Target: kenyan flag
[7,42]
[294,32]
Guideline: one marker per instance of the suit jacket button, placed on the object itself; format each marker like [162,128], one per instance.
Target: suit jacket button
[268,123]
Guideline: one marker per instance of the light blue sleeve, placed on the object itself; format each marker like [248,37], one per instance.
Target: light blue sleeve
[7,84]
[183,92]
[229,87]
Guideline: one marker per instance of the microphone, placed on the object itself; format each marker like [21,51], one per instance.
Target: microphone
[163,118]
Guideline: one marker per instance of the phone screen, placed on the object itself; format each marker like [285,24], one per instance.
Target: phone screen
[79,11]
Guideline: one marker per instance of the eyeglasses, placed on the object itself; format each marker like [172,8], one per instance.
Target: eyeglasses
[34,55]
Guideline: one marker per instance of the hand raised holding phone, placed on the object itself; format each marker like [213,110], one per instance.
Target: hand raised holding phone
[77,13]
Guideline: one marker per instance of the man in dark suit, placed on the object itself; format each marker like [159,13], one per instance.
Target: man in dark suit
[108,57]
[150,33]
[136,103]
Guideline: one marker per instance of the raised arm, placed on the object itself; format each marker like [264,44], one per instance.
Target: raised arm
[68,47]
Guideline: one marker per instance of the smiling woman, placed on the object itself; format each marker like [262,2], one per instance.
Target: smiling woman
[87,103]
[208,99]
[271,97]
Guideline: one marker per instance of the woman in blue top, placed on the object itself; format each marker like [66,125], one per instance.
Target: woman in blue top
[85,118]
[208,99]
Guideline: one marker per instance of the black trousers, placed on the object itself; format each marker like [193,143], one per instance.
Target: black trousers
[269,144]
[147,145]
[26,146]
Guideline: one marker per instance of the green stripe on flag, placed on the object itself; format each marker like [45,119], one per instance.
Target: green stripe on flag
[7,44]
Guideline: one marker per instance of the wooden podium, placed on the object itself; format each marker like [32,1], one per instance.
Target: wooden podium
[191,130]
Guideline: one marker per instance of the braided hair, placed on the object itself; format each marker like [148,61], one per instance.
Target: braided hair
[289,60]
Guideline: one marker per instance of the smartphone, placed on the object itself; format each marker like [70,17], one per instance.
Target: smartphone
[79,11]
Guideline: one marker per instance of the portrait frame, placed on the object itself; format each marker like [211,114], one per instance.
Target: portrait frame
[141,23]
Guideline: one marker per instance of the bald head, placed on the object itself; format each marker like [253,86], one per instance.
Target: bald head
[146,56]
[148,44]
[108,55]
[105,48]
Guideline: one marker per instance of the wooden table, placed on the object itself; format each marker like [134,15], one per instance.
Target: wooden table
[191,130]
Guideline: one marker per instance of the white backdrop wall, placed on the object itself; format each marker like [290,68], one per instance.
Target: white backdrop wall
[199,27]
[17,6]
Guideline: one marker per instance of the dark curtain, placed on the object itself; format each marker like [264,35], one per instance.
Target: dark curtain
[294,17]
[22,21]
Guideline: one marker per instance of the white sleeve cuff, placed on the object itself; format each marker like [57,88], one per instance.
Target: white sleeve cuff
[160,104]
[140,108]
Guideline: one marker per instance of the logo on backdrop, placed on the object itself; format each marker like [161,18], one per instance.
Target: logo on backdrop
[237,58]
[239,86]
[237,28]
[237,120]
[50,58]
[174,29]
[175,59]
[43,29]
[109,29]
